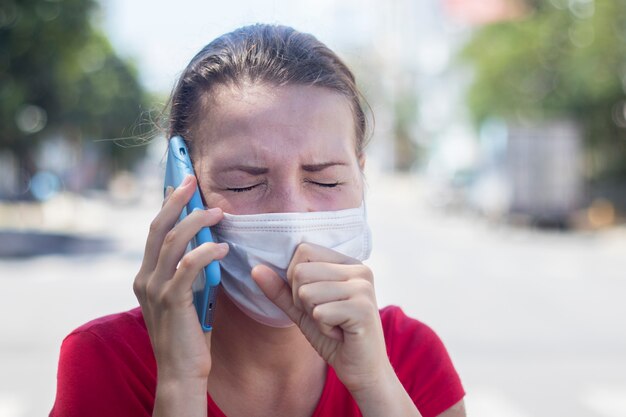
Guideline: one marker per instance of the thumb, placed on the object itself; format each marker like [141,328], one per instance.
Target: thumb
[277,290]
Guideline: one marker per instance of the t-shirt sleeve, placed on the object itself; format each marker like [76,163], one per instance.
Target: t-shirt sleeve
[95,380]
[422,363]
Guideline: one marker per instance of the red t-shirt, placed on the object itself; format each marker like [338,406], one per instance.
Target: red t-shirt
[107,368]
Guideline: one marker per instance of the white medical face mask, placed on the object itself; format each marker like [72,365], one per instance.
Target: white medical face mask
[271,239]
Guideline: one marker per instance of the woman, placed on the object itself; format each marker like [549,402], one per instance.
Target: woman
[275,129]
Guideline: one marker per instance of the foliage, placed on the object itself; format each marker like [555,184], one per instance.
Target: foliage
[60,76]
[567,59]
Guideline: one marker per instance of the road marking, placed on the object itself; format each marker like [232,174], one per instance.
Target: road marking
[606,400]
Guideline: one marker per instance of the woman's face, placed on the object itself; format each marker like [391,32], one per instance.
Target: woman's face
[264,149]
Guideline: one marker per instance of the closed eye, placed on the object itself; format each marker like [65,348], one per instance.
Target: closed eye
[324,184]
[243,189]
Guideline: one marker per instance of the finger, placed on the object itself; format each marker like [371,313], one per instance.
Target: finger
[165,220]
[168,192]
[350,315]
[322,292]
[309,252]
[177,239]
[277,290]
[190,266]
[306,273]
[333,332]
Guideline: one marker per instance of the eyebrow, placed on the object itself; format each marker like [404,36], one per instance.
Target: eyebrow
[322,166]
[254,170]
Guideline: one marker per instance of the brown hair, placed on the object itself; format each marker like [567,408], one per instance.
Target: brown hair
[261,53]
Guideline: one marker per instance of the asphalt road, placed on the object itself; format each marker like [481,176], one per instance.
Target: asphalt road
[534,321]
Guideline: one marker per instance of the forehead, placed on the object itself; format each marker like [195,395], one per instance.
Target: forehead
[260,121]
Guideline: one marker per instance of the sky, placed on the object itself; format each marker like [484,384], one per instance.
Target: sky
[162,36]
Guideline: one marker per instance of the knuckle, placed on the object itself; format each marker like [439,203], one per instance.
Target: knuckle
[364,287]
[303,293]
[187,262]
[151,291]
[139,286]
[317,312]
[304,251]
[365,272]
[190,262]
[155,225]
[170,237]
[298,273]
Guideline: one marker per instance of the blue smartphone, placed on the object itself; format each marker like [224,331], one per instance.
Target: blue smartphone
[204,288]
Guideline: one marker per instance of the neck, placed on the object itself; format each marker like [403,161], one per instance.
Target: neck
[244,348]
[274,369]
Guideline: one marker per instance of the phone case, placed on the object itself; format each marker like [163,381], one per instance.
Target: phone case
[205,285]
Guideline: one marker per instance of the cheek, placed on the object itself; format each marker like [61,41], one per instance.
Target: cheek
[349,195]
[218,200]
[214,199]
[357,193]
[233,203]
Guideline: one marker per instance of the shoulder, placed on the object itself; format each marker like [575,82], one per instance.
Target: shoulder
[107,358]
[112,338]
[411,344]
[403,333]
[421,362]
[114,325]
[395,321]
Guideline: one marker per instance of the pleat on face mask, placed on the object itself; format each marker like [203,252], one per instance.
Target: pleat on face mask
[271,239]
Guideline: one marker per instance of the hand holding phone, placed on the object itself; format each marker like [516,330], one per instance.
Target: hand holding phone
[205,285]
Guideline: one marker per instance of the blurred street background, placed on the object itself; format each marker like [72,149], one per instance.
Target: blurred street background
[496,178]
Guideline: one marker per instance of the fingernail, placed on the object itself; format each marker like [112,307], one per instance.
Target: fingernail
[169,190]
[223,246]
[186,181]
[214,210]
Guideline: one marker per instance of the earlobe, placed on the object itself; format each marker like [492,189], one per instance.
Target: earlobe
[361,159]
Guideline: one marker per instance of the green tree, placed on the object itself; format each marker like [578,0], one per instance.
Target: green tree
[566,59]
[60,75]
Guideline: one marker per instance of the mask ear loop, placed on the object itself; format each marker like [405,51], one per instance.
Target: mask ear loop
[367,233]
[364,192]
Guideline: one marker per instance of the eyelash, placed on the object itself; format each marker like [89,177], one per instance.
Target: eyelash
[250,188]
[244,189]
[325,184]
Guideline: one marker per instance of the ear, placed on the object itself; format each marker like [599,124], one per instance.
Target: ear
[361,160]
